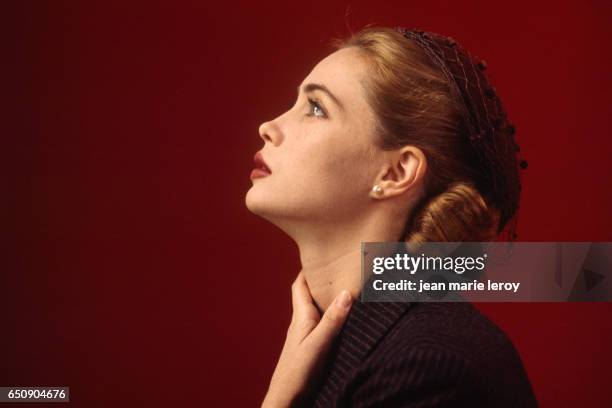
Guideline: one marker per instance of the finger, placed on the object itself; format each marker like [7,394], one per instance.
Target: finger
[332,321]
[305,315]
[300,294]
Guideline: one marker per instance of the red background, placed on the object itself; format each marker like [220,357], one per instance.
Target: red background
[133,271]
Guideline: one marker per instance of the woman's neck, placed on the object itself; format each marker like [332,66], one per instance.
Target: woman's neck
[331,261]
[329,275]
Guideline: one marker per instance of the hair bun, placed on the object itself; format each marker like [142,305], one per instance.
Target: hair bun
[458,214]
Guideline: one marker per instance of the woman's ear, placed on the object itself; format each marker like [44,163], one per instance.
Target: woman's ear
[405,169]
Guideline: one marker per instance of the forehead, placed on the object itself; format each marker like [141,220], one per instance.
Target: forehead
[343,72]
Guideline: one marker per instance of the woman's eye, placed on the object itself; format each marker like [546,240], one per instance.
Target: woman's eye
[316,109]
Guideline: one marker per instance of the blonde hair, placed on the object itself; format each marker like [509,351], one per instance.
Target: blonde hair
[412,102]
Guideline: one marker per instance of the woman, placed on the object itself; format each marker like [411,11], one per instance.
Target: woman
[397,135]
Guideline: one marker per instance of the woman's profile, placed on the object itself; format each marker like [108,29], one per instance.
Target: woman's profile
[398,135]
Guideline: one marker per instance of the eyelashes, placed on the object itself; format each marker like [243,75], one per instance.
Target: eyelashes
[314,104]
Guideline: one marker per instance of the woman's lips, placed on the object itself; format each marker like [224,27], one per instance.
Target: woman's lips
[261,168]
[257,173]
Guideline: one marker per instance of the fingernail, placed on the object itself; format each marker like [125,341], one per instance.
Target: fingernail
[344,300]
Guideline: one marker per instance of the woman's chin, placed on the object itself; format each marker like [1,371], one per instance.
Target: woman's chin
[262,206]
[255,201]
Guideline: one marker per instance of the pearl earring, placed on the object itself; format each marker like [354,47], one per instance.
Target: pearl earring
[377,189]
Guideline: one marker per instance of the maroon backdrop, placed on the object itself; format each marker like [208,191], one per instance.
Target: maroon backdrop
[133,271]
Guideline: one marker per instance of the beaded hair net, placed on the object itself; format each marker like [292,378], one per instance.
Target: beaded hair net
[483,122]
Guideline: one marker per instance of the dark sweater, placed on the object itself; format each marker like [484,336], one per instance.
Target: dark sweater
[422,355]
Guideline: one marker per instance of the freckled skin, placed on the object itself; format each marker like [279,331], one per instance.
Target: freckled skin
[322,167]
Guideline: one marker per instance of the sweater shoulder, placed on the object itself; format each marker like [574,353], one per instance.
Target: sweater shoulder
[448,349]
[456,331]
[450,326]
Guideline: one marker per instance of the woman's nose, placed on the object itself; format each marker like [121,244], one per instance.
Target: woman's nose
[269,132]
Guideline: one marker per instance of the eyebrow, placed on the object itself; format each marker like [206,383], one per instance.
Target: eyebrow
[310,87]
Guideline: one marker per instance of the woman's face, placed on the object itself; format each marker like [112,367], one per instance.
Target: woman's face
[321,152]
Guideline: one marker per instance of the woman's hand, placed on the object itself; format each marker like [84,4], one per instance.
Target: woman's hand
[309,338]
